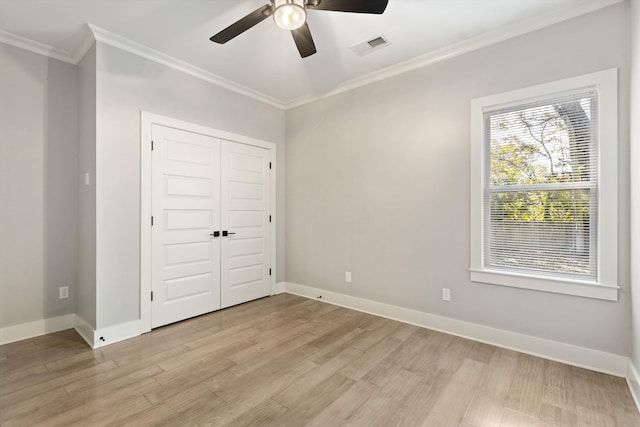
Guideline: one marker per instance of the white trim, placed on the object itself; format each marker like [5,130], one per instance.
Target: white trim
[547,284]
[278,288]
[606,287]
[94,33]
[633,380]
[274,218]
[35,47]
[84,45]
[85,330]
[147,120]
[109,335]
[72,57]
[142,51]
[483,40]
[595,360]
[151,119]
[35,328]
[117,333]
[465,46]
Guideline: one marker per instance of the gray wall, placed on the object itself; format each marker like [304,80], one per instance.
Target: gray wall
[378,184]
[38,120]
[60,187]
[635,182]
[86,207]
[127,84]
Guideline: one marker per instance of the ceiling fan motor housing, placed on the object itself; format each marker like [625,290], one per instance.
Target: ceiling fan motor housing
[289,14]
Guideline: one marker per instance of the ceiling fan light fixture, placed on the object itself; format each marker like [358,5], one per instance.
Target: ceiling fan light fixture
[289,14]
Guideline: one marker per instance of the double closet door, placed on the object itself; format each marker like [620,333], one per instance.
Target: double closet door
[211,231]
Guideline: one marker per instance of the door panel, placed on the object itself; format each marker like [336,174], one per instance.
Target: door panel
[245,199]
[201,185]
[188,286]
[186,209]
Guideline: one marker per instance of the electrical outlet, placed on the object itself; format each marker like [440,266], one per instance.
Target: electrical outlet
[446,294]
[63,292]
[347,276]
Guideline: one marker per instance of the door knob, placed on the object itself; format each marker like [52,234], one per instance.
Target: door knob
[226,233]
[215,234]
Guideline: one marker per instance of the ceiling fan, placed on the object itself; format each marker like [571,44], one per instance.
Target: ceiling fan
[292,15]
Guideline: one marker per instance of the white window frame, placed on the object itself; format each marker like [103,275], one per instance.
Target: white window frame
[606,285]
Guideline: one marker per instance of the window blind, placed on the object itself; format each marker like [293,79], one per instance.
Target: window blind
[540,198]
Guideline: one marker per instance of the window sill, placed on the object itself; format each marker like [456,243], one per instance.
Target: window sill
[558,286]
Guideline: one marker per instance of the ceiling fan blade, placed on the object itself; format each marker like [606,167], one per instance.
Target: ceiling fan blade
[357,6]
[304,41]
[242,25]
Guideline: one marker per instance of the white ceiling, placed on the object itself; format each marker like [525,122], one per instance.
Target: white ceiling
[264,59]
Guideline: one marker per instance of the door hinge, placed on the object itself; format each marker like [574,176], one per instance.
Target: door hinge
[152,220]
[151,295]
[269,272]
[269,218]
[151,145]
[269,165]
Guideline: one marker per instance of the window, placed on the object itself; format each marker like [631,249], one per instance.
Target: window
[544,187]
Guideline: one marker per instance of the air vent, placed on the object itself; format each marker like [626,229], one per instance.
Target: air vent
[366,47]
[378,41]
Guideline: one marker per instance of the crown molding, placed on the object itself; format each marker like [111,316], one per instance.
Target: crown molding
[140,50]
[93,33]
[457,49]
[87,40]
[35,47]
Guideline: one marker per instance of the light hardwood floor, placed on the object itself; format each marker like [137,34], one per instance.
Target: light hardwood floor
[290,361]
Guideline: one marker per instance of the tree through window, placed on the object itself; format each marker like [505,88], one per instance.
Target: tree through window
[541,189]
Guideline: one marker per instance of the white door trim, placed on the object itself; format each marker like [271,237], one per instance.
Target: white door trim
[146,121]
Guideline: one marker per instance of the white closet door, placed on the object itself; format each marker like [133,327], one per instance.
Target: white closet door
[245,199]
[186,212]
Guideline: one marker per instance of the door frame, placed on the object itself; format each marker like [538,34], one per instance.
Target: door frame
[147,120]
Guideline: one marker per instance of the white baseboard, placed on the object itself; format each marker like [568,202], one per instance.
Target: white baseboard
[94,338]
[109,335]
[85,330]
[36,328]
[116,333]
[633,380]
[595,360]
[278,288]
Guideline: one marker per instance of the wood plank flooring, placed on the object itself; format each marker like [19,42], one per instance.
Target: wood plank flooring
[290,361]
